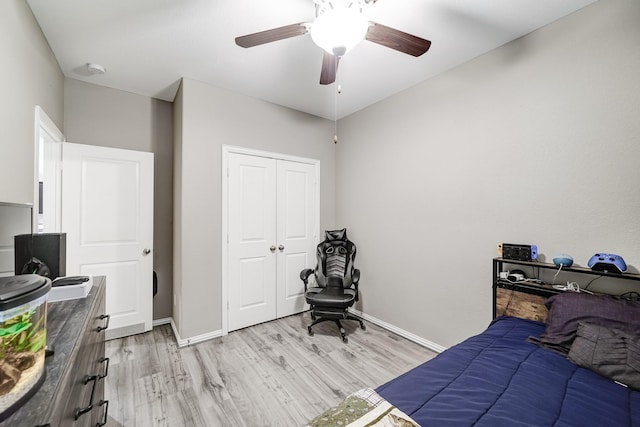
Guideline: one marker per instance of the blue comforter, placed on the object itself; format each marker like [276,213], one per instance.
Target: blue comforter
[497,378]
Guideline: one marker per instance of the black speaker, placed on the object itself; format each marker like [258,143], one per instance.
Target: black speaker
[50,248]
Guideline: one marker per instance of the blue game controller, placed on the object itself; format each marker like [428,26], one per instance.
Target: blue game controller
[609,263]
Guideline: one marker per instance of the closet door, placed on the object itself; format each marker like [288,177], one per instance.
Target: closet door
[296,200]
[252,240]
[272,235]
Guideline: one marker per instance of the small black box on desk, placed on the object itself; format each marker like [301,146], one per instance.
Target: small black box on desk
[50,248]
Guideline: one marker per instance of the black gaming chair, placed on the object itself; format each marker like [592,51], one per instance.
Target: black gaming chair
[336,281]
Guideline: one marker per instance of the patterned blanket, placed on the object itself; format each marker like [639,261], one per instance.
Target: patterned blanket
[364,408]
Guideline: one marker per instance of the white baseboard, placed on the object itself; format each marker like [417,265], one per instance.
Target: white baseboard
[216,334]
[184,342]
[163,321]
[405,334]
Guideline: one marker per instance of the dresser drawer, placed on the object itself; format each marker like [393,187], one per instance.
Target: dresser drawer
[82,384]
[75,331]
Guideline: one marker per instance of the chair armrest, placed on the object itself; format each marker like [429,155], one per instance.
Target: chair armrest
[304,276]
[355,278]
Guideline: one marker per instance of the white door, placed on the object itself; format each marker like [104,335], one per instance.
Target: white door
[272,233]
[252,240]
[107,213]
[297,235]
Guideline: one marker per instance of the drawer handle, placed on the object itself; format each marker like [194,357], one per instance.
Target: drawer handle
[106,411]
[106,368]
[81,411]
[102,317]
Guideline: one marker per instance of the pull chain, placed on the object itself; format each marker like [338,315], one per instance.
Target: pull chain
[335,106]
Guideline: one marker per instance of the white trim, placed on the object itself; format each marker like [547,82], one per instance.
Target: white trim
[41,124]
[217,334]
[226,150]
[224,240]
[405,334]
[163,321]
[184,342]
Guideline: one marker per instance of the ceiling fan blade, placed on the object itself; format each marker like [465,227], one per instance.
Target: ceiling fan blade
[272,35]
[329,68]
[396,39]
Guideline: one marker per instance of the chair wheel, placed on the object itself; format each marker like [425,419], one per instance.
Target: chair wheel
[345,340]
[362,326]
[310,330]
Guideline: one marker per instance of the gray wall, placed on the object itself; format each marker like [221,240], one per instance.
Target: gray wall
[206,118]
[535,142]
[178,113]
[29,76]
[14,219]
[98,115]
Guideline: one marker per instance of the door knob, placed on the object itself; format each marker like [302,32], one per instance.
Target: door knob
[146,251]
[281,247]
[272,248]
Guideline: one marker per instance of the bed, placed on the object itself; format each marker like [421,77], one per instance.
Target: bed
[580,368]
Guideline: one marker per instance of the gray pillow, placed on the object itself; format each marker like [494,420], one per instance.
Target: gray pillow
[611,352]
[566,310]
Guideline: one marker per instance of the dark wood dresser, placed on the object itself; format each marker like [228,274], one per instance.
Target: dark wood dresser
[73,391]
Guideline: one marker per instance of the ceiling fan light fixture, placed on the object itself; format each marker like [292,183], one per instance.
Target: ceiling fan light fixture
[338,30]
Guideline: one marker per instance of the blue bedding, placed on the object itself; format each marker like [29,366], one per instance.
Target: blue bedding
[497,378]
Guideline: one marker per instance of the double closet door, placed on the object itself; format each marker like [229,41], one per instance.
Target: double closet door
[272,213]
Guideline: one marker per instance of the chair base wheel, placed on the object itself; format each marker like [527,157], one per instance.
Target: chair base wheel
[343,316]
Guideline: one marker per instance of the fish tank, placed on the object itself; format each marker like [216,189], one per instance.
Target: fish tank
[23,337]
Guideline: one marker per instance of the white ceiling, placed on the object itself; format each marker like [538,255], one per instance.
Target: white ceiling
[148,45]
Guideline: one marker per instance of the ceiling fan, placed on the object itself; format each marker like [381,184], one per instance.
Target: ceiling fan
[338,27]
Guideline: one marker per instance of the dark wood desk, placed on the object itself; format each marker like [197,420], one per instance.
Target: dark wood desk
[74,383]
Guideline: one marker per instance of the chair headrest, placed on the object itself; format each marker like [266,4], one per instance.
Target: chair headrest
[336,235]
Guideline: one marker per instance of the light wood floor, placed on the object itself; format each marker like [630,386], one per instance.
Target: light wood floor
[272,374]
